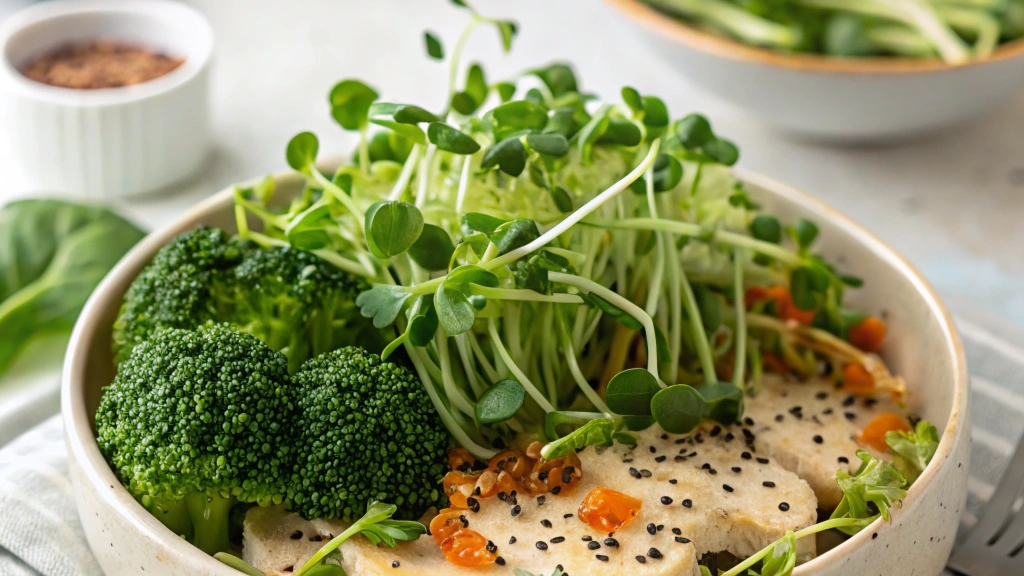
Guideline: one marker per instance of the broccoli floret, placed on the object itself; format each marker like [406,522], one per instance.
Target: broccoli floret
[196,421]
[369,432]
[299,304]
[189,283]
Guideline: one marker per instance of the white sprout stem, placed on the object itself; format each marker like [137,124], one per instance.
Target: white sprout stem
[338,194]
[405,176]
[522,295]
[424,176]
[460,435]
[512,333]
[465,356]
[492,329]
[581,380]
[627,306]
[266,241]
[739,304]
[547,369]
[345,264]
[490,370]
[742,567]
[675,337]
[654,288]
[455,394]
[460,199]
[700,337]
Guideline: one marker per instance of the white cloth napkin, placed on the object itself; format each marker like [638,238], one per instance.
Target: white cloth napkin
[40,533]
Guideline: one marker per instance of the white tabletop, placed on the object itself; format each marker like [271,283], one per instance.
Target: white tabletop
[951,202]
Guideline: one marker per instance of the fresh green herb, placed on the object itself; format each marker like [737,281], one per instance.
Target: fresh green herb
[52,256]
[376,526]
[238,564]
[500,402]
[434,48]
[913,450]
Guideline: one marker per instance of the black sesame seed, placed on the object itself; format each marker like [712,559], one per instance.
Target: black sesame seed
[540,499]
[784,506]
[737,469]
[748,435]
[558,539]
[543,476]
[827,411]
[645,473]
[502,496]
[512,540]
[844,460]
[821,395]
[541,545]
[673,481]
[652,529]
[715,431]
[601,557]
[850,415]
[682,540]
[712,471]
[593,545]
[654,553]
[688,503]
[768,484]
[875,535]
[762,460]
[556,490]
[516,510]
[748,421]
[473,504]
[661,458]
[611,542]
[666,500]
[849,401]
[779,417]
[569,515]
[869,402]
[641,559]
[396,564]
[634,473]
[297,535]
[677,531]
[727,488]
[729,437]
[567,473]
[664,436]
[706,466]
[476,491]
[652,449]
[545,523]
[587,538]
[661,527]
[818,439]
[746,456]
[499,561]
[679,459]
[491,547]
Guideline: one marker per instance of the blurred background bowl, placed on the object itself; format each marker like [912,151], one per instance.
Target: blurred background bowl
[842,100]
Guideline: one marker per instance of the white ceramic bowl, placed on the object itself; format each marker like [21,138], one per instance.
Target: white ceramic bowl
[115,141]
[922,346]
[851,100]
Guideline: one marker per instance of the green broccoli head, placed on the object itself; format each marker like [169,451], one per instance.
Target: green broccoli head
[370,433]
[188,283]
[196,420]
[299,304]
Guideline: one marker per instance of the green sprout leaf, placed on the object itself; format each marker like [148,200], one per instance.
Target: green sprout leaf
[709,307]
[454,310]
[678,409]
[694,131]
[561,121]
[562,199]
[423,324]
[655,113]
[724,401]
[722,151]
[612,310]
[515,234]
[433,249]
[598,432]
[507,29]
[559,78]
[392,227]
[383,303]
[632,99]
[509,156]
[500,402]
[307,230]
[473,96]
[876,485]
[302,150]
[782,559]
[766,228]
[434,48]
[803,233]
[549,144]
[402,118]
[450,139]
[622,132]
[350,103]
[476,222]
[630,392]
[913,450]
[668,173]
[591,133]
[505,91]
[520,115]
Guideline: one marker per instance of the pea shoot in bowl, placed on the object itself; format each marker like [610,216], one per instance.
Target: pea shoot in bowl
[530,334]
[857,71]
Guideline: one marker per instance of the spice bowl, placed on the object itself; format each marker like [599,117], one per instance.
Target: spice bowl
[106,142]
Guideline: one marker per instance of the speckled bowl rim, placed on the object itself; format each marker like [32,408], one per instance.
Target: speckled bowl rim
[81,442]
[725,47]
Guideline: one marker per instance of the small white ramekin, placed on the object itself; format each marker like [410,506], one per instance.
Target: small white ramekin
[107,142]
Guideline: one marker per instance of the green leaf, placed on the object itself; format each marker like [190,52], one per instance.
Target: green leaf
[621,132]
[244,567]
[302,150]
[630,392]
[434,48]
[612,310]
[804,233]
[722,151]
[509,156]
[306,230]
[403,113]
[710,308]
[724,401]
[507,29]
[694,131]
[591,132]
[476,222]
[655,112]
[433,249]
[423,324]
[562,199]
[851,281]
[561,121]
[632,99]
[392,227]
[876,485]
[454,310]
[473,96]
[550,144]
[598,432]
[505,90]
[450,139]
[520,115]
[383,303]
[782,559]
[460,3]
[766,228]
[500,402]
[350,103]
[668,173]
[913,450]
[464,275]
[678,409]
[380,146]
[559,78]
[515,234]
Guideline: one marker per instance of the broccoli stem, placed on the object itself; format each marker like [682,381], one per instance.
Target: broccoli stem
[171,513]
[211,515]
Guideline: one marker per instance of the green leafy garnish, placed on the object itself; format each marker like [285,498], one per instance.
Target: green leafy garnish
[870,491]
[913,450]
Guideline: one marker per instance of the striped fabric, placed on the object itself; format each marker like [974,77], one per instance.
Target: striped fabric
[40,533]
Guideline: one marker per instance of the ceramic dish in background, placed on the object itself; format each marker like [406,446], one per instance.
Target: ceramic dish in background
[922,346]
[828,98]
[113,141]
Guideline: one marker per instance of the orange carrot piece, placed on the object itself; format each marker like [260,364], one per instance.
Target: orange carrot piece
[874,433]
[868,334]
[857,380]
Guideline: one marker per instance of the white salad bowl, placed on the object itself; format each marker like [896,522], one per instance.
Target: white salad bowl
[922,346]
[843,100]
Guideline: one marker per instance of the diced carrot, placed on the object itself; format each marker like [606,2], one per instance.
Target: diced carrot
[773,363]
[868,334]
[786,309]
[607,510]
[467,548]
[874,433]
[857,380]
[754,294]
